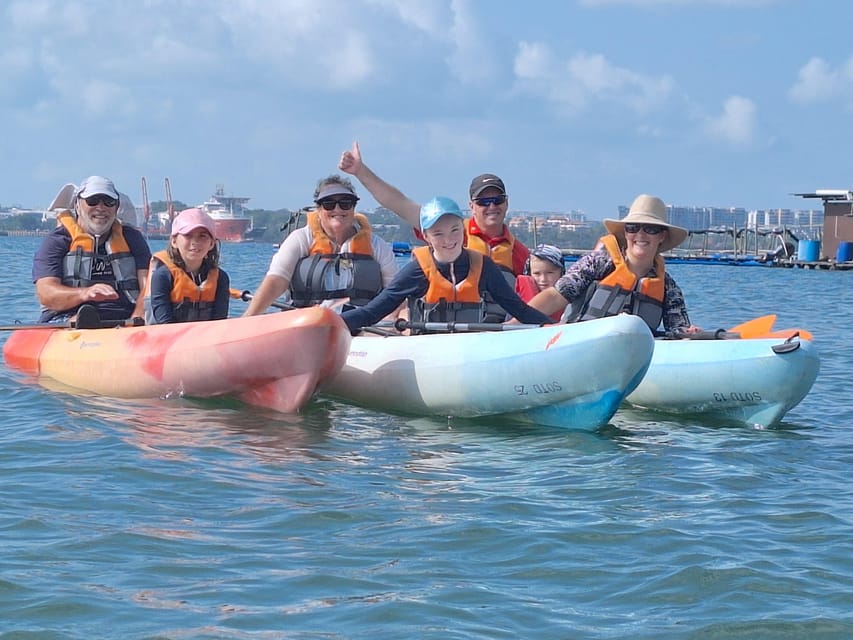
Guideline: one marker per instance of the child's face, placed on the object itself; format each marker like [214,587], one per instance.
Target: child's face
[544,273]
[446,237]
[193,246]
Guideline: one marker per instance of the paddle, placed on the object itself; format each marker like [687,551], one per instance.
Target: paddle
[755,327]
[454,327]
[718,334]
[76,324]
[246,296]
[41,325]
[789,333]
[761,327]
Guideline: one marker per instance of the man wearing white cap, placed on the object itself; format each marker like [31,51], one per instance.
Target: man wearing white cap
[91,258]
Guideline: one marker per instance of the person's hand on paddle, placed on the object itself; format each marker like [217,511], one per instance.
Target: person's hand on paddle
[691,329]
[98,292]
[351,160]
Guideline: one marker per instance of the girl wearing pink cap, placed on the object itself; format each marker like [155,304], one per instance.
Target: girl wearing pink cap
[185,282]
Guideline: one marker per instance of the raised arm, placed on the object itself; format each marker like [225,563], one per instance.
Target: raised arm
[385,194]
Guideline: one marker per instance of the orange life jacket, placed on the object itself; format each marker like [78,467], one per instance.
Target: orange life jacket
[359,243]
[325,274]
[501,254]
[78,263]
[191,301]
[621,291]
[444,300]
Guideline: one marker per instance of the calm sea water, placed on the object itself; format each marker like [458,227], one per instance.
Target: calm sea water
[177,519]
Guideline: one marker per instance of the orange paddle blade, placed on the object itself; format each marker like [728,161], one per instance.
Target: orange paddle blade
[787,333]
[755,327]
[762,327]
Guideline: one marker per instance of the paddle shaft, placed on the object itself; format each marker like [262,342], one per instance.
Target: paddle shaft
[104,324]
[41,325]
[455,327]
[246,296]
[719,334]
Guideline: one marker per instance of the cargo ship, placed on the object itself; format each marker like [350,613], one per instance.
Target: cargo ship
[233,224]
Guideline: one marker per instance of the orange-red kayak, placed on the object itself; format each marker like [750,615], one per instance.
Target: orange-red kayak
[275,360]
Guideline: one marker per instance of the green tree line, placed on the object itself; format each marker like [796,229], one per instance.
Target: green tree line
[273,227]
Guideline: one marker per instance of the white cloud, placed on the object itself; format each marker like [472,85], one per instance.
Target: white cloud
[317,43]
[472,58]
[585,79]
[818,82]
[534,62]
[453,28]
[736,124]
[429,17]
[445,140]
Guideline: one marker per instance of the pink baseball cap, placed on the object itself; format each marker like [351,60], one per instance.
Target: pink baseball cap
[189,219]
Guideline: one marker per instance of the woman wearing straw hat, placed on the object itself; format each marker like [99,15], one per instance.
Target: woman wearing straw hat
[627,275]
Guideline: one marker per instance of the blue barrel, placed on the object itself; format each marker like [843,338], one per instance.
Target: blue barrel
[808,250]
[844,252]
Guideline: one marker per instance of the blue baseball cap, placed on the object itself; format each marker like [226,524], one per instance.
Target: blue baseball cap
[437,207]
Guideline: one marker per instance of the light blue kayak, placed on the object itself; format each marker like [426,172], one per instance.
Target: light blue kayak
[753,382]
[572,376]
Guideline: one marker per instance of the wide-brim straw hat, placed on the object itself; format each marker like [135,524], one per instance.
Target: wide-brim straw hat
[648,209]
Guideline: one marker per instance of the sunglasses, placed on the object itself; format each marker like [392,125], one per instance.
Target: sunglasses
[495,200]
[650,229]
[100,198]
[345,205]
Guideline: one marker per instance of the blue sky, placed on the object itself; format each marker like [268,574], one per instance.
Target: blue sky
[577,104]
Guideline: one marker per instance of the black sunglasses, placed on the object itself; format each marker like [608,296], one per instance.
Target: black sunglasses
[650,229]
[345,205]
[98,198]
[495,200]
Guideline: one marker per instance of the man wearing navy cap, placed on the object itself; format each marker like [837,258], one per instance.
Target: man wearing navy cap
[486,230]
[91,258]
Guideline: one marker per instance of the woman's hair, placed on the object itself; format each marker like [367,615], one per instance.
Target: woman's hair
[333,179]
[211,260]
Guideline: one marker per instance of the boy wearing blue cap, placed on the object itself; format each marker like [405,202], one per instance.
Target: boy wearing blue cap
[444,282]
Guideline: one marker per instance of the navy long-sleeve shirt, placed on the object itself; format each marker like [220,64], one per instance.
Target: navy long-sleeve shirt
[412,282]
[161,295]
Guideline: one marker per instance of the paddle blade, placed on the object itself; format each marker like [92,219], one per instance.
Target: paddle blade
[788,333]
[755,327]
[762,327]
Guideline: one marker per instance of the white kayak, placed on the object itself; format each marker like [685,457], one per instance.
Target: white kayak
[753,382]
[573,376]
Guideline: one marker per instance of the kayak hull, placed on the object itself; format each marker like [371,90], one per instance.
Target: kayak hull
[735,381]
[275,361]
[571,376]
